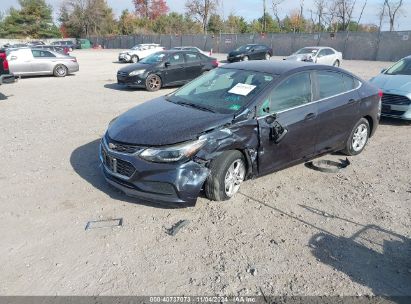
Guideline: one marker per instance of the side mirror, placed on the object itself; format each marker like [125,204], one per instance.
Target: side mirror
[167,64]
[383,71]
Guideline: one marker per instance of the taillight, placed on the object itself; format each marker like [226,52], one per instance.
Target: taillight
[3,56]
[380,93]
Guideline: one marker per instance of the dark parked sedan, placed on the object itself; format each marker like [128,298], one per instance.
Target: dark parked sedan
[250,52]
[234,123]
[168,68]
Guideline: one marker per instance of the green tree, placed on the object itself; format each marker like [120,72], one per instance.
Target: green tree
[236,24]
[88,18]
[127,23]
[32,20]
[215,24]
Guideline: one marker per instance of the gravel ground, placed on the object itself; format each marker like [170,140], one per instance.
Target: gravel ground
[295,232]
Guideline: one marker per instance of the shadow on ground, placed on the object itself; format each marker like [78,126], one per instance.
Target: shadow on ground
[4,97]
[86,163]
[117,87]
[373,256]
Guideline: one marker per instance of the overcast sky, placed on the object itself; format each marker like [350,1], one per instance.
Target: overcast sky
[252,9]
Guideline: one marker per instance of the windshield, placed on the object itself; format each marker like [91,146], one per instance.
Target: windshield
[244,48]
[154,58]
[307,51]
[222,90]
[402,67]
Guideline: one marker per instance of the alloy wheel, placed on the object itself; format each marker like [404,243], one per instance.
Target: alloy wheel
[154,83]
[360,137]
[234,177]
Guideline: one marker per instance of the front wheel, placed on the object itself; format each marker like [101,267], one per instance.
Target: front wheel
[153,83]
[267,56]
[336,63]
[227,172]
[60,70]
[134,59]
[358,138]
[245,58]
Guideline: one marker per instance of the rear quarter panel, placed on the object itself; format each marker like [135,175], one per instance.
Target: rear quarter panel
[369,104]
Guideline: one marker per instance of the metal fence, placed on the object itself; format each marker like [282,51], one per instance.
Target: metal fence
[384,46]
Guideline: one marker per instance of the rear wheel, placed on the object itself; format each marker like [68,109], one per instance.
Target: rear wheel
[60,70]
[227,172]
[153,83]
[267,56]
[336,63]
[245,58]
[358,138]
[134,59]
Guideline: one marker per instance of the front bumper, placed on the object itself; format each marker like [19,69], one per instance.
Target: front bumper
[7,78]
[175,184]
[124,57]
[396,111]
[234,58]
[131,81]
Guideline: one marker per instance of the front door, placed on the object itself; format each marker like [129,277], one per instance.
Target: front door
[291,102]
[42,61]
[174,69]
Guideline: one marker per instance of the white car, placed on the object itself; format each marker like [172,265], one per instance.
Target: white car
[138,52]
[317,54]
[191,48]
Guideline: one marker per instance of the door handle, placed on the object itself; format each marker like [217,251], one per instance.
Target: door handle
[310,116]
[351,101]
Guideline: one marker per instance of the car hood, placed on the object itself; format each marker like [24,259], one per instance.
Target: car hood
[400,83]
[235,53]
[135,67]
[160,122]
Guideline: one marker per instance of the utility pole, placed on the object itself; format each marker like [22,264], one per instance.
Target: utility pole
[264,20]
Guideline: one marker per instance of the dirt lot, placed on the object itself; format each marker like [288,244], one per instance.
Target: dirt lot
[295,232]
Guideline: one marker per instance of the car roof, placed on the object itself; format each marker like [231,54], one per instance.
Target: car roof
[275,67]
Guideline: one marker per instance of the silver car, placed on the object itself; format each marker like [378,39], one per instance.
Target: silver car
[25,62]
[395,83]
[317,54]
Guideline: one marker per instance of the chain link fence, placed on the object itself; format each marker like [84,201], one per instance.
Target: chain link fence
[384,46]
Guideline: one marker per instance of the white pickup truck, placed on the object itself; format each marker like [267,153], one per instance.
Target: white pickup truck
[138,52]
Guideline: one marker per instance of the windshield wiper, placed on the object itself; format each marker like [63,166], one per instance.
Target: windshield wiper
[196,106]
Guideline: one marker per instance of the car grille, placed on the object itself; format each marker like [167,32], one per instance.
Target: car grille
[395,99]
[121,147]
[116,165]
[122,74]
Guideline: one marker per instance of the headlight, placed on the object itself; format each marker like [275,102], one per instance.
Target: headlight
[138,72]
[172,153]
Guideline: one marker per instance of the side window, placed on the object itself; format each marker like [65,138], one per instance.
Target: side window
[330,84]
[190,57]
[41,54]
[292,92]
[176,59]
[330,52]
[350,83]
[322,53]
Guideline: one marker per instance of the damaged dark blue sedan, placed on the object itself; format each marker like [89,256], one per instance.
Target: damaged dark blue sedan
[237,122]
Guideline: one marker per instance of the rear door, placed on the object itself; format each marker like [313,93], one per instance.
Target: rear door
[338,108]
[194,65]
[291,101]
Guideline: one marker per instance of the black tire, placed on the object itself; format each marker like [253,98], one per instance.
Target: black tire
[153,83]
[267,56]
[134,59]
[336,63]
[246,58]
[215,184]
[350,147]
[60,70]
